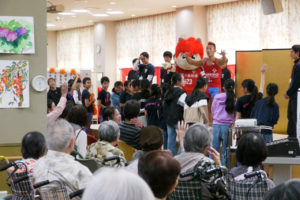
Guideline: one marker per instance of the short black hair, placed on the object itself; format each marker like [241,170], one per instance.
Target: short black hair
[118,83]
[33,145]
[145,54]
[160,170]
[155,91]
[108,113]
[168,54]
[296,48]
[131,109]
[104,79]
[134,60]
[78,80]
[85,80]
[49,79]
[136,83]
[70,84]
[78,115]
[126,83]
[251,150]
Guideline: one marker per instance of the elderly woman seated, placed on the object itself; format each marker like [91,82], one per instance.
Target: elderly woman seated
[251,152]
[197,143]
[106,146]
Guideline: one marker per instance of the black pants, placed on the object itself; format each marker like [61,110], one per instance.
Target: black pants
[292,117]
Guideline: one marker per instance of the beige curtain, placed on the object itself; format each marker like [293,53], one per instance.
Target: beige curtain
[242,25]
[75,48]
[154,34]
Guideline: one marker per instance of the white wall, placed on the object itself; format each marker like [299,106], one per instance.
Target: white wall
[51,49]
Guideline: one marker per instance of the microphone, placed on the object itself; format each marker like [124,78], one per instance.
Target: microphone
[76,193]
[254,173]
[5,167]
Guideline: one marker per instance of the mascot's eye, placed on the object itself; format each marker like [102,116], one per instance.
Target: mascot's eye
[183,56]
[193,57]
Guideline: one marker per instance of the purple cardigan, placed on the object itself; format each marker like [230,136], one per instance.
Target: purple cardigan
[219,114]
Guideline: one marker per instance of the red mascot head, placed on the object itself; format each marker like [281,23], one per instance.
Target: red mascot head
[192,46]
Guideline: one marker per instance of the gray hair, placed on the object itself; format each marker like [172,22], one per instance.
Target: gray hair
[109,131]
[117,184]
[59,135]
[197,138]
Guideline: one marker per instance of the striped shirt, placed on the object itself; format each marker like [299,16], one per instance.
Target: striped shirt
[130,134]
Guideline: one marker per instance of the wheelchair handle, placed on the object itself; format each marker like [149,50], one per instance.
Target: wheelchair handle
[185,174]
[40,184]
[76,193]
[20,179]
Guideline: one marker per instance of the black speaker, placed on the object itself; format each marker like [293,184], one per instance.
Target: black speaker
[271,6]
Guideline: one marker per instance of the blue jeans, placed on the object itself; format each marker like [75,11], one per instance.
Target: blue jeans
[267,137]
[172,139]
[165,134]
[220,134]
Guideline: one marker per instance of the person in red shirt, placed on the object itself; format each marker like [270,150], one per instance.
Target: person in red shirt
[212,68]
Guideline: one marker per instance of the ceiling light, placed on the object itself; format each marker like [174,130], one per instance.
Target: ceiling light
[80,10]
[174,6]
[113,3]
[66,13]
[115,12]
[50,25]
[100,15]
[133,15]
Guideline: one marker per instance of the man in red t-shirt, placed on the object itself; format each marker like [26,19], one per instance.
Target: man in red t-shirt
[212,68]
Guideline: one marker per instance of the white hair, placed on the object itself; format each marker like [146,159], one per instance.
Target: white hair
[109,131]
[117,184]
[59,135]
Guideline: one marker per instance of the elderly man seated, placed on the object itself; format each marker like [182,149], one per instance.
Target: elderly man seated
[58,164]
[160,170]
[197,143]
[106,146]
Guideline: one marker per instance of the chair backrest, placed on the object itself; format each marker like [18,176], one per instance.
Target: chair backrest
[23,189]
[127,150]
[55,190]
[187,190]
[92,164]
[250,189]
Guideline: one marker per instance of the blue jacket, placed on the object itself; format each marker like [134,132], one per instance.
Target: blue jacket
[295,81]
[265,114]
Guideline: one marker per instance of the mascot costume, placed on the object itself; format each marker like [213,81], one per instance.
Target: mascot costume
[190,72]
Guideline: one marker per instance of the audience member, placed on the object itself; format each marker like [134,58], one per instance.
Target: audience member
[245,104]
[195,104]
[288,190]
[55,112]
[251,152]
[223,113]
[86,99]
[107,145]
[197,143]
[125,96]
[160,170]
[54,92]
[33,147]
[151,139]
[153,109]
[266,112]
[115,97]
[77,92]
[130,133]
[79,119]
[148,70]
[226,74]
[58,164]
[291,93]
[103,96]
[111,113]
[173,108]
[117,184]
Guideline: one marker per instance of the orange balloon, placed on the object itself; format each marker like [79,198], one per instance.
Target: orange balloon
[73,71]
[52,70]
[62,71]
[78,75]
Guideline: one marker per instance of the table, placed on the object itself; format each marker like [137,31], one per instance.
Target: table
[94,130]
[282,167]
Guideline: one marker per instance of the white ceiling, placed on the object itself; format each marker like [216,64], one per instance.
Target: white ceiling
[130,9]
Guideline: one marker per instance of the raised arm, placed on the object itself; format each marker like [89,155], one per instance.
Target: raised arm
[191,61]
[74,85]
[222,62]
[262,78]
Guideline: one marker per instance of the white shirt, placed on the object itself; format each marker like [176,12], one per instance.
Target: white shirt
[75,97]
